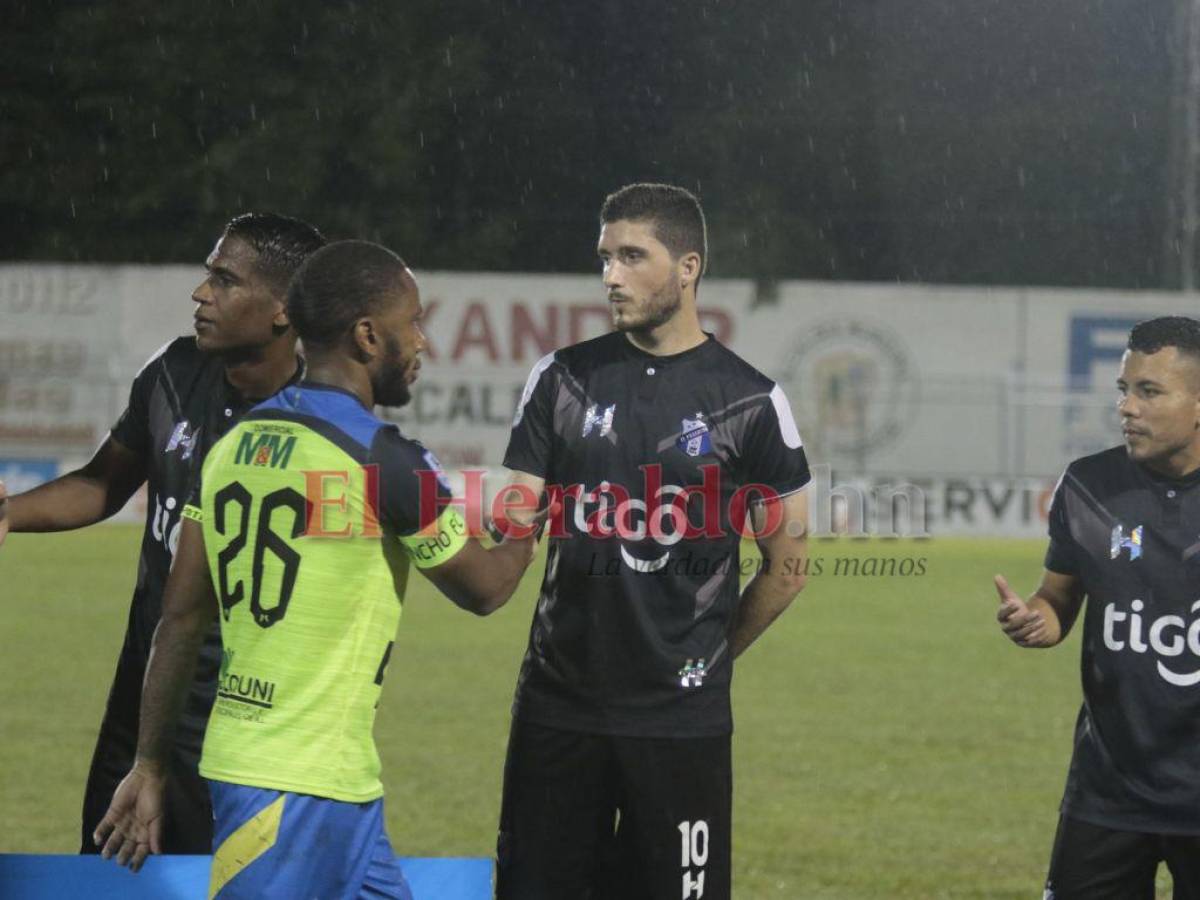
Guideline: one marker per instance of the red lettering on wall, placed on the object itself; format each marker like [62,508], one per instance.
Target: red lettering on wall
[475,331]
[525,329]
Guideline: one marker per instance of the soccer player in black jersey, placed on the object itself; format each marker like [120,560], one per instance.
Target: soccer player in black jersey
[185,397]
[1125,537]
[617,782]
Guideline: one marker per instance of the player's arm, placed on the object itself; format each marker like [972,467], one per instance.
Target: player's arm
[479,579]
[79,498]
[783,573]
[132,827]
[106,483]
[1045,619]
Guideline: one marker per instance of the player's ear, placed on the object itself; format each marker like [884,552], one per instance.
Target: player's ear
[690,267]
[280,321]
[365,340]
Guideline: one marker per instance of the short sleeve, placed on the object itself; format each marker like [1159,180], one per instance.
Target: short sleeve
[191,507]
[415,500]
[530,443]
[132,429]
[773,453]
[1063,554]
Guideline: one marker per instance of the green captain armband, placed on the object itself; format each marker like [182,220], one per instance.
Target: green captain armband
[439,542]
[192,512]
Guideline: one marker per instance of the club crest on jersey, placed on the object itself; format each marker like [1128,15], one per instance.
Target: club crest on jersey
[1119,542]
[181,438]
[596,419]
[695,440]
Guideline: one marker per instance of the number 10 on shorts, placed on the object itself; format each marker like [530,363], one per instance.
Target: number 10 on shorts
[694,853]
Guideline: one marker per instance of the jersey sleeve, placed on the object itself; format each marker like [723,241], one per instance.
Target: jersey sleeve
[1063,553]
[132,429]
[532,436]
[773,454]
[414,500]
[191,507]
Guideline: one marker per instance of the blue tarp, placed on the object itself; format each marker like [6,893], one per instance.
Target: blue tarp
[186,878]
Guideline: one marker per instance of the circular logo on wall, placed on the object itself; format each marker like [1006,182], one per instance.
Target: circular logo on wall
[853,386]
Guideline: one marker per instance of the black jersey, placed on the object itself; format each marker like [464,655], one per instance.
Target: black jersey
[1133,539]
[631,631]
[179,405]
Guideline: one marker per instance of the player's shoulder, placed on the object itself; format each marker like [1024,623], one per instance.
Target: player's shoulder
[177,355]
[734,370]
[389,441]
[338,414]
[597,351]
[575,361]
[1098,469]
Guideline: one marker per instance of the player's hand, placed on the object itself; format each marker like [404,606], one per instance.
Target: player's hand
[3,512]
[1025,627]
[132,827]
[528,523]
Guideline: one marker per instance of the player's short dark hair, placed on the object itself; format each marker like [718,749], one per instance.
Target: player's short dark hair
[282,243]
[338,285]
[1152,335]
[675,213]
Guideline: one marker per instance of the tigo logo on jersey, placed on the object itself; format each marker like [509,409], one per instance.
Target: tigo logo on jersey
[695,440]
[1167,637]
[1119,542]
[594,418]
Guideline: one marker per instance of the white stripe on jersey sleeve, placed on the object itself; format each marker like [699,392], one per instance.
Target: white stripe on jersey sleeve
[541,366]
[787,424]
[155,355]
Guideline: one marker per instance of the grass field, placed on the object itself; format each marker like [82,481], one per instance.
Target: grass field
[890,743]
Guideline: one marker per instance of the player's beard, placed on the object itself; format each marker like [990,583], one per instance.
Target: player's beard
[658,309]
[393,389]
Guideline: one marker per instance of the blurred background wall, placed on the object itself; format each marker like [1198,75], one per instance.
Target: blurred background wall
[931,221]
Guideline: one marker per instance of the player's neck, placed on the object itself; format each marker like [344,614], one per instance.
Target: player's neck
[1180,464]
[341,373]
[258,376]
[680,333]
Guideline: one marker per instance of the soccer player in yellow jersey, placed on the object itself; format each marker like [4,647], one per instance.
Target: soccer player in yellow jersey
[300,535]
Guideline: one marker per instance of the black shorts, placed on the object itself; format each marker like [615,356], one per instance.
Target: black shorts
[598,817]
[1091,862]
[188,826]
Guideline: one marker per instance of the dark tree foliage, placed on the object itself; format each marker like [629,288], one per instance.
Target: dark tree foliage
[974,140]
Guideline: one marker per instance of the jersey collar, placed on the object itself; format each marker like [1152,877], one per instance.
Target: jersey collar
[641,355]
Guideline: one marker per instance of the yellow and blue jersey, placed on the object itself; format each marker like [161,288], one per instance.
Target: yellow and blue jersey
[313,510]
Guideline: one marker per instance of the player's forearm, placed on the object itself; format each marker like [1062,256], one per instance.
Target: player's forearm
[173,654]
[71,501]
[510,559]
[763,600]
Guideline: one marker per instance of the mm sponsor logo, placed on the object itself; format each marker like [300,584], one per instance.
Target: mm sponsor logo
[264,450]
